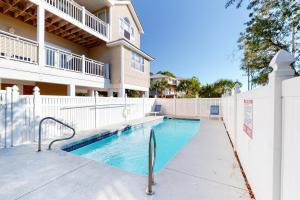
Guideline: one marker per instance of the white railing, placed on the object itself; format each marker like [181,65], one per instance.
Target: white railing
[93,67]
[63,60]
[95,23]
[18,48]
[68,7]
[73,62]
[80,14]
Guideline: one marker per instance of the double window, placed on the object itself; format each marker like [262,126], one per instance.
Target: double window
[137,62]
[126,30]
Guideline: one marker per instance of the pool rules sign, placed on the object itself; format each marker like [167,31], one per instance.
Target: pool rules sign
[248,118]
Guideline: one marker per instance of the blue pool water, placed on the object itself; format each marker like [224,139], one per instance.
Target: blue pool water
[128,150]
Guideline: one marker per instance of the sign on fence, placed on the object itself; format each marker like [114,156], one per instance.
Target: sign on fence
[214,110]
[248,118]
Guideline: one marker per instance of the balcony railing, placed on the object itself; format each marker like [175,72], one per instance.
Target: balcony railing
[18,48]
[80,14]
[71,62]
[63,60]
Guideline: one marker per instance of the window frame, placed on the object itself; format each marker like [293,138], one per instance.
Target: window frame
[137,62]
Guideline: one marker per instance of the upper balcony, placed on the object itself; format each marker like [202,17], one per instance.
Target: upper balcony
[64,18]
[20,49]
[81,15]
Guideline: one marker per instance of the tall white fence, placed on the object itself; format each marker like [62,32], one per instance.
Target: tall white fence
[263,125]
[193,107]
[21,114]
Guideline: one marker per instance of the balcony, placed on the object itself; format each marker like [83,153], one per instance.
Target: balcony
[21,49]
[80,14]
[64,18]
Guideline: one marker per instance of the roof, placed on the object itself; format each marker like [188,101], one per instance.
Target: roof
[132,11]
[158,76]
[129,45]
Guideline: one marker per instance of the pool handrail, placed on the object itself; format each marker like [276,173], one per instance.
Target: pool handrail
[51,143]
[151,162]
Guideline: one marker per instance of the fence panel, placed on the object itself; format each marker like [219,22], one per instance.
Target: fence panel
[198,107]
[2,117]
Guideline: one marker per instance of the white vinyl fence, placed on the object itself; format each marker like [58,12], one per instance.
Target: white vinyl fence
[21,114]
[264,127]
[193,107]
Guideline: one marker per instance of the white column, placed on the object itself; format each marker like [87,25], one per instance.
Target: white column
[41,34]
[235,91]
[83,64]
[83,15]
[281,71]
[36,112]
[146,95]
[110,93]
[110,23]
[14,111]
[92,93]
[71,90]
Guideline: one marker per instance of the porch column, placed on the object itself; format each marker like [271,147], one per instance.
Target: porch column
[110,93]
[91,93]
[146,94]
[71,90]
[121,92]
[41,34]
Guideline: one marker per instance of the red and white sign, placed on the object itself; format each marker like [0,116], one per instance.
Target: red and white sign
[248,118]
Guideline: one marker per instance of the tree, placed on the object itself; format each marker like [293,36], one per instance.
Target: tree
[190,87]
[273,25]
[166,73]
[159,86]
[217,88]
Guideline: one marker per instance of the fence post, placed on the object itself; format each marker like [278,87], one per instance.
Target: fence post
[236,90]
[36,111]
[95,106]
[281,71]
[143,105]
[7,116]
[174,106]
[14,110]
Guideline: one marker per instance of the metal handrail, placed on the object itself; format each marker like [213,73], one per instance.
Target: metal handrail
[151,162]
[51,143]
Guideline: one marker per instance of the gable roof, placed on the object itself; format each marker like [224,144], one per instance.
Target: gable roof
[132,11]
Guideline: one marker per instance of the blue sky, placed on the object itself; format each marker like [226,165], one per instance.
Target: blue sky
[193,37]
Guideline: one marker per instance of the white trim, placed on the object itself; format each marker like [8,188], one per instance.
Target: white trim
[134,87]
[130,46]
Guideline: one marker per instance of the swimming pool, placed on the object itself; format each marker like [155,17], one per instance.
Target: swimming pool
[128,149]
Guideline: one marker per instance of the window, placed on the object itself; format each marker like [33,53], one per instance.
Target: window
[126,30]
[137,62]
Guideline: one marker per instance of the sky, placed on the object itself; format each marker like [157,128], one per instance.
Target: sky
[193,37]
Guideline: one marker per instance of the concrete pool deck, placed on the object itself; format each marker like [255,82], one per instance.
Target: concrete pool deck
[205,169]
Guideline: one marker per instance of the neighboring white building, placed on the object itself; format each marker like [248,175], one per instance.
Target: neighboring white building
[66,47]
[167,92]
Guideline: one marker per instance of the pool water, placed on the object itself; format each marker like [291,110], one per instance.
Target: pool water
[128,150]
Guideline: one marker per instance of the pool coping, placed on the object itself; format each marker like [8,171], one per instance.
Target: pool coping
[71,146]
[101,133]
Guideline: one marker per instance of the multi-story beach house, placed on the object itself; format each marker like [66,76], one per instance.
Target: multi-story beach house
[170,91]
[69,47]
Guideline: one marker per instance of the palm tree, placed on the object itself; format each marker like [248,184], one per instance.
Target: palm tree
[159,86]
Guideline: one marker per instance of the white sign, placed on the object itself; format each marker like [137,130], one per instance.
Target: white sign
[248,118]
